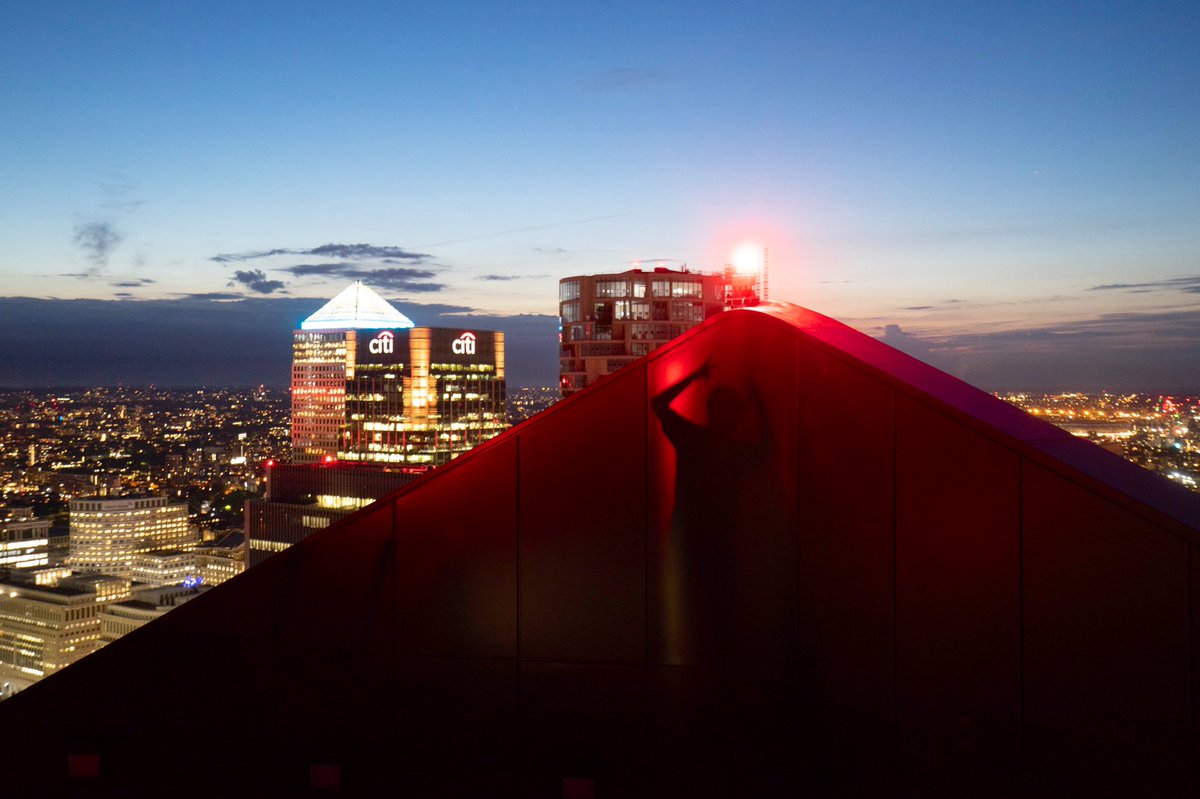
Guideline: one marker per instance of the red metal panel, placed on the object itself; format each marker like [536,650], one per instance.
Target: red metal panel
[846,655]
[582,721]
[706,737]
[722,549]
[1127,484]
[1105,645]
[582,526]
[333,643]
[454,732]
[971,405]
[957,604]
[456,560]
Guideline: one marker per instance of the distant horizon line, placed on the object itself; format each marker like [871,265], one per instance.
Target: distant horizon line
[1174,392]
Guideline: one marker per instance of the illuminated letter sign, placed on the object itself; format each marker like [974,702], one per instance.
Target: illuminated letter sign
[382,344]
[464,344]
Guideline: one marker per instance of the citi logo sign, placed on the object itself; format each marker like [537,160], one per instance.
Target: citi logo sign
[464,344]
[383,344]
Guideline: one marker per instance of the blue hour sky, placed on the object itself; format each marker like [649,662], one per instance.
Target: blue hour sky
[976,182]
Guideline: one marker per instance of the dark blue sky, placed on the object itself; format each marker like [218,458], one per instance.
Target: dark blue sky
[966,171]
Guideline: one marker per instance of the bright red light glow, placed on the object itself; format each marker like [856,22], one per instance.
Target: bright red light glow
[748,259]
[329,459]
[270,462]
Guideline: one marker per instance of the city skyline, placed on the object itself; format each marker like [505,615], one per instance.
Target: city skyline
[1007,193]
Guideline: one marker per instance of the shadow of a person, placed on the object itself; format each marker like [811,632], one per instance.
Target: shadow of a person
[712,464]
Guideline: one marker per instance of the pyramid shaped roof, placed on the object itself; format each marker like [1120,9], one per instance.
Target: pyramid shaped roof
[356,307]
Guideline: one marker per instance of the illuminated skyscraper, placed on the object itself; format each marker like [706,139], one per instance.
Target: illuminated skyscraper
[370,387]
[375,402]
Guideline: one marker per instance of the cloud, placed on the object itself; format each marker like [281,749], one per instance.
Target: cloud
[918,308]
[213,295]
[256,280]
[396,278]
[498,278]
[361,251]
[249,255]
[117,190]
[306,270]
[365,251]
[132,283]
[625,78]
[1189,285]
[550,250]
[97,239]
[1153,351]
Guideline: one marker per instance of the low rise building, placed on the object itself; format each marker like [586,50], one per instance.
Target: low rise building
[46,627]
[221,560]
[142,607]
[24,538]
[164,567]
[107,533]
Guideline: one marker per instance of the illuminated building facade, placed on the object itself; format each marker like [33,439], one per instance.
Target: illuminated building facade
[47,626]
[107,533]
[164,567]
[24,539]
[304,498]
[144,606]
[608,321]
[221,560]
[370,387]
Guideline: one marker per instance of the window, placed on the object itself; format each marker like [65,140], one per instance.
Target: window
[639,288]
[661,288]
[640,310]
[686,288]
[612,288]
[568,290]
[687,311]
[570,312]
[621,309]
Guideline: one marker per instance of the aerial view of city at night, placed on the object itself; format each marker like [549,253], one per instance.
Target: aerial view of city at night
[586,401]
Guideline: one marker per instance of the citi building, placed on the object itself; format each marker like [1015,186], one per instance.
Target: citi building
[368,386]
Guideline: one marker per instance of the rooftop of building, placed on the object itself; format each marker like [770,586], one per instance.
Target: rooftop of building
[228,541]
[356,307]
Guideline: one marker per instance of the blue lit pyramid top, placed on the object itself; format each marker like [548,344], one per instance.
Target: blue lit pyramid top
[356,307]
